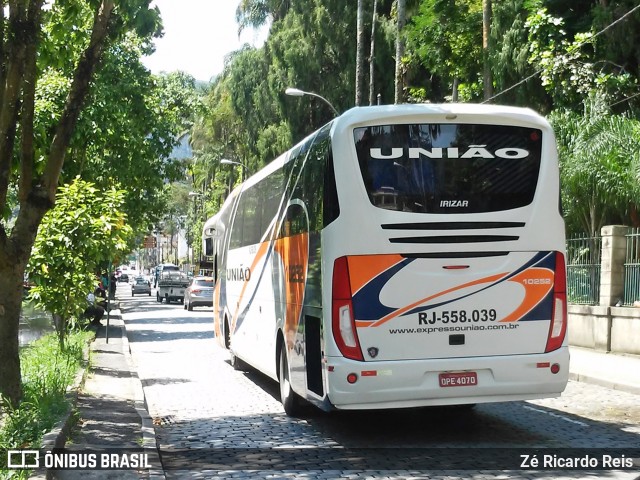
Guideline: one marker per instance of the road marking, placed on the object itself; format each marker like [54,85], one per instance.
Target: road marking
[566,419]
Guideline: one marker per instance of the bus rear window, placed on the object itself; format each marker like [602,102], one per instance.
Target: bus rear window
[448,168]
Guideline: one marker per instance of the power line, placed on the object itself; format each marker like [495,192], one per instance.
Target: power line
[624,100]
[535,74]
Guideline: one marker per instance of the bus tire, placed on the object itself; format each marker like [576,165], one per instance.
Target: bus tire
[227,334]
[465,407]
[236,363]
[290,399]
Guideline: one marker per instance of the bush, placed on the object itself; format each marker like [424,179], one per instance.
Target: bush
[47,371]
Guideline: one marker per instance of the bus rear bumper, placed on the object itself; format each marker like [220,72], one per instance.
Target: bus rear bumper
[416,383]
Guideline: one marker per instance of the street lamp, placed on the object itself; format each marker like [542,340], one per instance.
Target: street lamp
[195,195]
[226,161]
[295,92]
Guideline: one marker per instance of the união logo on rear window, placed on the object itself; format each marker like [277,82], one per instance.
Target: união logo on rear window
[473,151]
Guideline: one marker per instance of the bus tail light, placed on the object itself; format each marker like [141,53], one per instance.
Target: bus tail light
[343,323]
[558,327]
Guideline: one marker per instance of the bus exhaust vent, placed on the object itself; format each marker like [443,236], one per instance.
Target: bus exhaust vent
[457,239]
[454,255]
[451,225]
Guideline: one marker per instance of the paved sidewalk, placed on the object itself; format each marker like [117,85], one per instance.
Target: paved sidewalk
[618,372]
[111,412]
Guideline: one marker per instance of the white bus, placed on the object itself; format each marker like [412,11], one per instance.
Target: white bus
[212,237]
[401,256]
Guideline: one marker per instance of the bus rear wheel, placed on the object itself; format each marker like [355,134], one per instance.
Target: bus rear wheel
[236,363]
[291,402]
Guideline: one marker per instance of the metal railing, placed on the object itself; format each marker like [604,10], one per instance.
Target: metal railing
[632,268]
[583,270]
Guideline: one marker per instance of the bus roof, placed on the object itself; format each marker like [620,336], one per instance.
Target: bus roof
[444,112]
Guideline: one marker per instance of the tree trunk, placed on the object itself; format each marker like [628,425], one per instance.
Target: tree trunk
[14,256]
[37,196]
[372,55]
[487,78]
[360,54]
[11,278]
[454,90]
[399,82]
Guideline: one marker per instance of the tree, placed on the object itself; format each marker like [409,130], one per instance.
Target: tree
[400,46]
[487,80]
[372,54]
[31,160]
[600,167]
[445,37]
[85,228]
[509,58]
[128,129]
[256,13]
[359,54]
[570,68]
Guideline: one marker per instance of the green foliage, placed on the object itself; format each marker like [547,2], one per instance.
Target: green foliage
[445,36]
[569,70]
[85,228]
[128,130]
[600,167]
[47,372]
[510,58]
[249,119]
[256,13]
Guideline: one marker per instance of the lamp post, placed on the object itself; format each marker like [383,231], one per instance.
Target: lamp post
[296,92]
[195,195]
[226,161]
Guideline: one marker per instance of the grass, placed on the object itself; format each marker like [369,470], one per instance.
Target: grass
[46,373]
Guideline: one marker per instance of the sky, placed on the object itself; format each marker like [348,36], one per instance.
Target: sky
[197,36]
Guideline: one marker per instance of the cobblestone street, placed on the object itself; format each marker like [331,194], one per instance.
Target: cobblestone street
[215,422]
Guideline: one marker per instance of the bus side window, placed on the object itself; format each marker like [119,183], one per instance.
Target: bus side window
[215,268]
[208,247]
[295,222]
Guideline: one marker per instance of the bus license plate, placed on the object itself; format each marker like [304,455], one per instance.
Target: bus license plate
[461,379]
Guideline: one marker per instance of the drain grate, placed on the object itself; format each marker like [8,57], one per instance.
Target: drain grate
[166,420]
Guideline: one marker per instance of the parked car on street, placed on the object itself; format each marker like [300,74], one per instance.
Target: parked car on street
[140,285]
[199,293]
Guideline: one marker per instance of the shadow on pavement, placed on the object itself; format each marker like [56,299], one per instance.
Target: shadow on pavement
[149,382]
[162,336]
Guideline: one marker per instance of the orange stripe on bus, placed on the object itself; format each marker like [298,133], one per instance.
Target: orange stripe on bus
[537,283]
[217,322]
[294,251]
[493,278]
[364,268]
[262,251]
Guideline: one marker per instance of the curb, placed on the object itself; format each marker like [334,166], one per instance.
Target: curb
[149,443]
[621,387]
[57,436]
